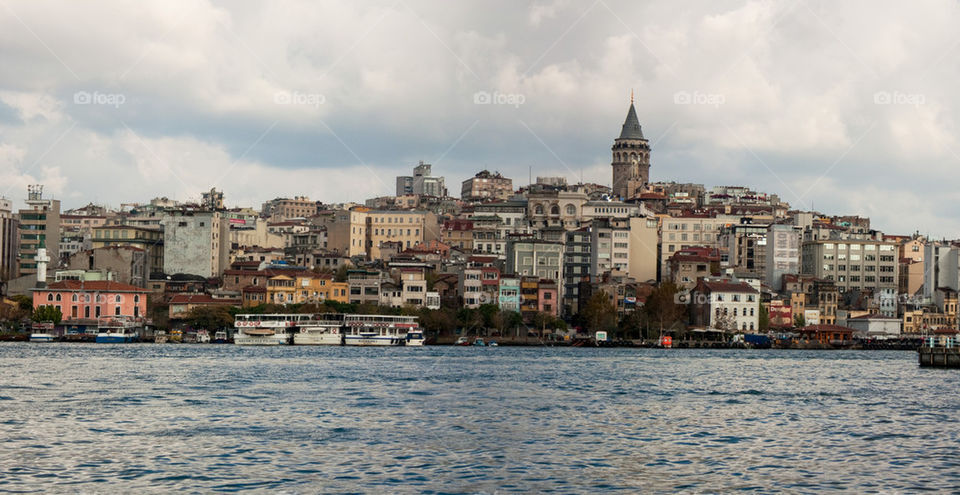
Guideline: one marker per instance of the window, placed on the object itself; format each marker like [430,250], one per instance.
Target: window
[50,297]
[116,311]
[117,299]
[74,298]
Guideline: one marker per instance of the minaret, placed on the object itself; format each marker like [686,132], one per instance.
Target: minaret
[42,259]
[631,157]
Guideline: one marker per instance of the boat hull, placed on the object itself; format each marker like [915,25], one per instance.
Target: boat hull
[317,339]
[41,337]
[110,338]
[244,339]
[371,341]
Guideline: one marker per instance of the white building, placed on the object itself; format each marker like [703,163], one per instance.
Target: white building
[876,326]
[724,304]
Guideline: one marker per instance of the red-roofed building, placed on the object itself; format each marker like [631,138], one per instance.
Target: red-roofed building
[92,299]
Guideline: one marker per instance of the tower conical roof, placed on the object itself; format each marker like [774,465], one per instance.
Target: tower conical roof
[631,126]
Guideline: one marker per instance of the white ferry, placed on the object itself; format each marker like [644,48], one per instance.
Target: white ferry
[380,330]
[324,329]
[116,330]
[268,329]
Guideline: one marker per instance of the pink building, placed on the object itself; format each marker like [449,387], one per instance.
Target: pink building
[92,299]
[547,297]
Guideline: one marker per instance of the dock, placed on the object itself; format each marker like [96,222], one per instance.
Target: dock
[939,357]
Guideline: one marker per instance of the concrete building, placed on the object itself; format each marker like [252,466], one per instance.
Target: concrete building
[458,233]
[39,227]
[127,264]
[609,246]
[364,286]
[556,208]
[852,263]
[9,241]
[746,247]
[254,233]
[783,254]
[577,262]
[486,186]
[421,183]
[875,326]
[196,243]
[644,249]
[688,230]
[941,268]
[149,240]
[362,232]
[281,209]
[531,257]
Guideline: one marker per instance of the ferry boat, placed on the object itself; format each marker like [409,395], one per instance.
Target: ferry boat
[116,331]
[267,329]
[379,330]
[324,329]
[42,332]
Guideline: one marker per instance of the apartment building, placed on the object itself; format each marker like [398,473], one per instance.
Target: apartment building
[852,264]
[39,227]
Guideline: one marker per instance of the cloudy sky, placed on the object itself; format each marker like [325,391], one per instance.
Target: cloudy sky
[846,109]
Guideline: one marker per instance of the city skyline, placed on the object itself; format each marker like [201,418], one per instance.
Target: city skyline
[546,89]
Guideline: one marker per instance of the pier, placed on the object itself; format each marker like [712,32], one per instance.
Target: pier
[946,355]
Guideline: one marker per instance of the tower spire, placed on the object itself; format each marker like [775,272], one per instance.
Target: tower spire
[631,96]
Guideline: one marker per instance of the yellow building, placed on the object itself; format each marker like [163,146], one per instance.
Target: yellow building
[305,288]
[319,288]
[361,231]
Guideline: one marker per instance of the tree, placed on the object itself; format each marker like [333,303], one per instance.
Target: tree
[599,313]
[763,320]
[540,321]
[341,274]
[49,314]
[210,317]
[799,321]
[662,309]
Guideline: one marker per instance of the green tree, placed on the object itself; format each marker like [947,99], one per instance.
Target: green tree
[799,321]
[599,313]
[47,314]
[210,317]
[341,274]
[763,320]
[541,321]
[662,309]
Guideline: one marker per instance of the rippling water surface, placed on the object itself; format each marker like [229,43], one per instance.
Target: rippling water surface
[162,418]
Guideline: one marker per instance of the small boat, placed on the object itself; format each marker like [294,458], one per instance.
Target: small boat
[176,337]
[493,343]
[415,337]
[220,337]
[160,337]
[41,337]
[462,341]
[479,342]
[203,337]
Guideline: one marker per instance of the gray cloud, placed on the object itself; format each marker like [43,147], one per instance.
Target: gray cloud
[831,106]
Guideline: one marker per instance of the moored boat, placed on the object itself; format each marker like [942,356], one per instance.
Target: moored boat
[41,337]
[266,329]
[220,337]
[203,337]
[377,330]
[324,329]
